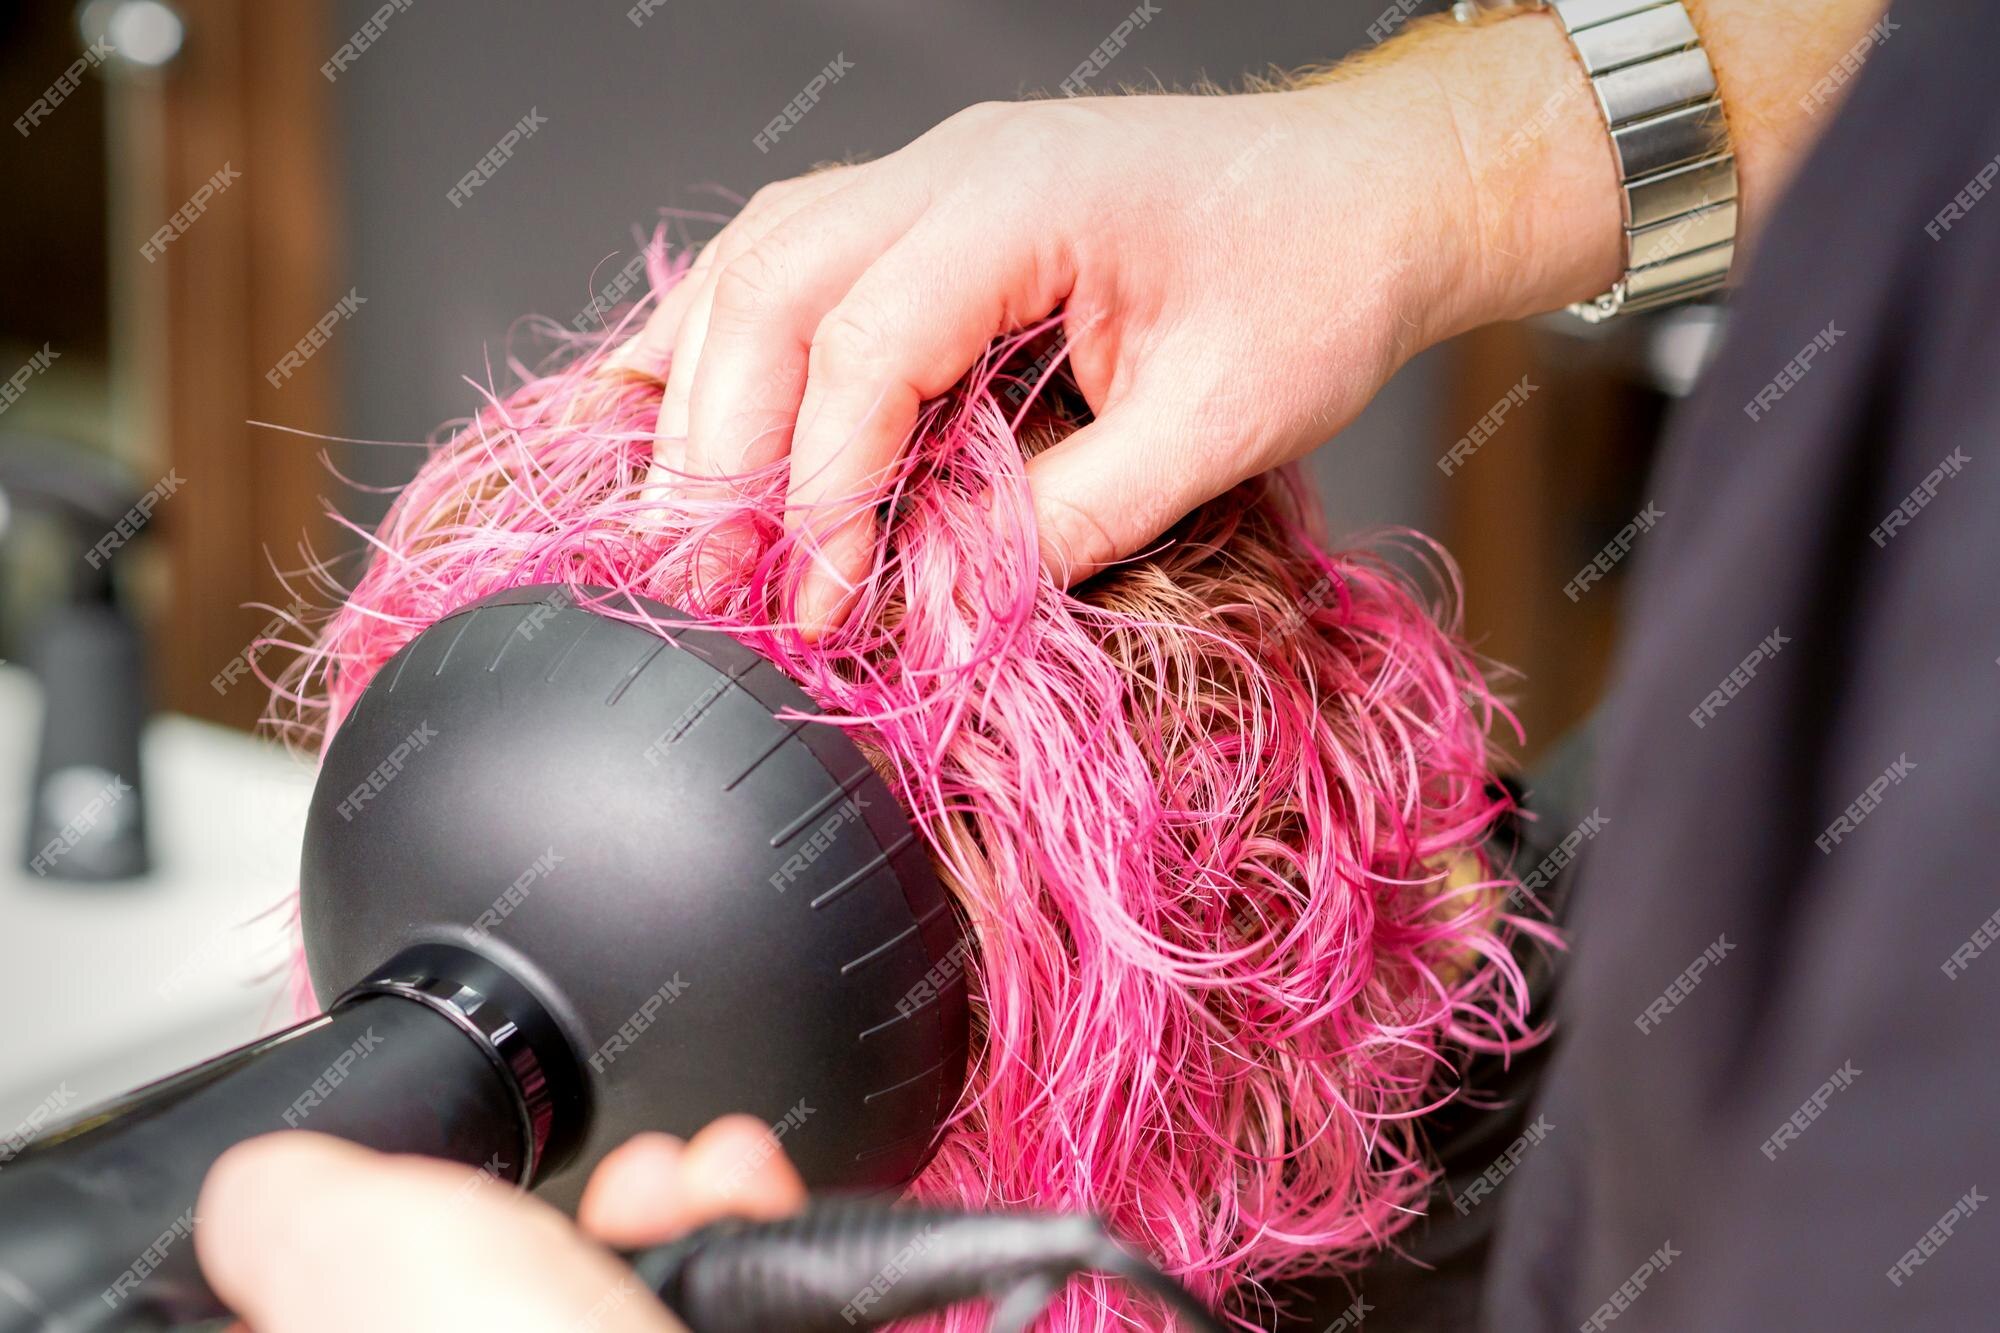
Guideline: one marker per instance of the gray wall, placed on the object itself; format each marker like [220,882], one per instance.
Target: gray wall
[640,118]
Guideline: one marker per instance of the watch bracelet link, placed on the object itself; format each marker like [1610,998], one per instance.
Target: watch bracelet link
[1677,171]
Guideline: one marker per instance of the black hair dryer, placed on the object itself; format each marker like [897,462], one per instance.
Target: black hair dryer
[564,880]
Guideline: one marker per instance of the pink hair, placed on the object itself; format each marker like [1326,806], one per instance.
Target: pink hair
[1214,817]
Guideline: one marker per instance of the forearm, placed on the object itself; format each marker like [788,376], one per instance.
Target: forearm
[1540,222]
[1777,63]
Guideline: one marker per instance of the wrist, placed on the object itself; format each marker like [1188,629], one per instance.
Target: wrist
[1483,154]
[1540,222]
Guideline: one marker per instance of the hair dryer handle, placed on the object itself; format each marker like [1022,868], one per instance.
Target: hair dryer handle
[97,1218]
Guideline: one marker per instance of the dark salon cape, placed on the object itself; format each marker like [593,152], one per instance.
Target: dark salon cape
[1835,1005]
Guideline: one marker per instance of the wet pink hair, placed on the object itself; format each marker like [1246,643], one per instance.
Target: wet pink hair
[1214,818]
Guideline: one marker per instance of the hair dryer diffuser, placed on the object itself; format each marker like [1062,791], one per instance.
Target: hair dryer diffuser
[718,901]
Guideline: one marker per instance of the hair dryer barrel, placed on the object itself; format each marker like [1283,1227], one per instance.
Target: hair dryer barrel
[97,1219]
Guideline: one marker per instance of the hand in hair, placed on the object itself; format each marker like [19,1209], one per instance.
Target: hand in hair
[1208,348]
[1238,275]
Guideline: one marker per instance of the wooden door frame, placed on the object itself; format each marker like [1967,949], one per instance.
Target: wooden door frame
[202,323]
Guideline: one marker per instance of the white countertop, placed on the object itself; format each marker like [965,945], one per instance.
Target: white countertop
[104,986]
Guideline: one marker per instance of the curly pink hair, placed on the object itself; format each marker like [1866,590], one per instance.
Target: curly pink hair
[1214,817]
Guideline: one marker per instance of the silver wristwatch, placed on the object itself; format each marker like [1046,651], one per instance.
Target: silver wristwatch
[1677,171]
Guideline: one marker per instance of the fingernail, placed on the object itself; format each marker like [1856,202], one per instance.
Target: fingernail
[819,602]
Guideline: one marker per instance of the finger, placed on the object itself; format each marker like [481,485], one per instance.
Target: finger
[910,327]
[301,1233]
[765,305]
[735,1167]
[630,1190]
[671,430]
[649,349]
[654,1187]
[1111,488]
[766,209]
[731,1168]
[837,556]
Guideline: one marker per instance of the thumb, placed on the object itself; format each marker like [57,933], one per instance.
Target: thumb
[1109,489]
[301,1233]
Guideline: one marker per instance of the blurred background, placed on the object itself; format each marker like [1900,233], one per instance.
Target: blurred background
[233,251]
